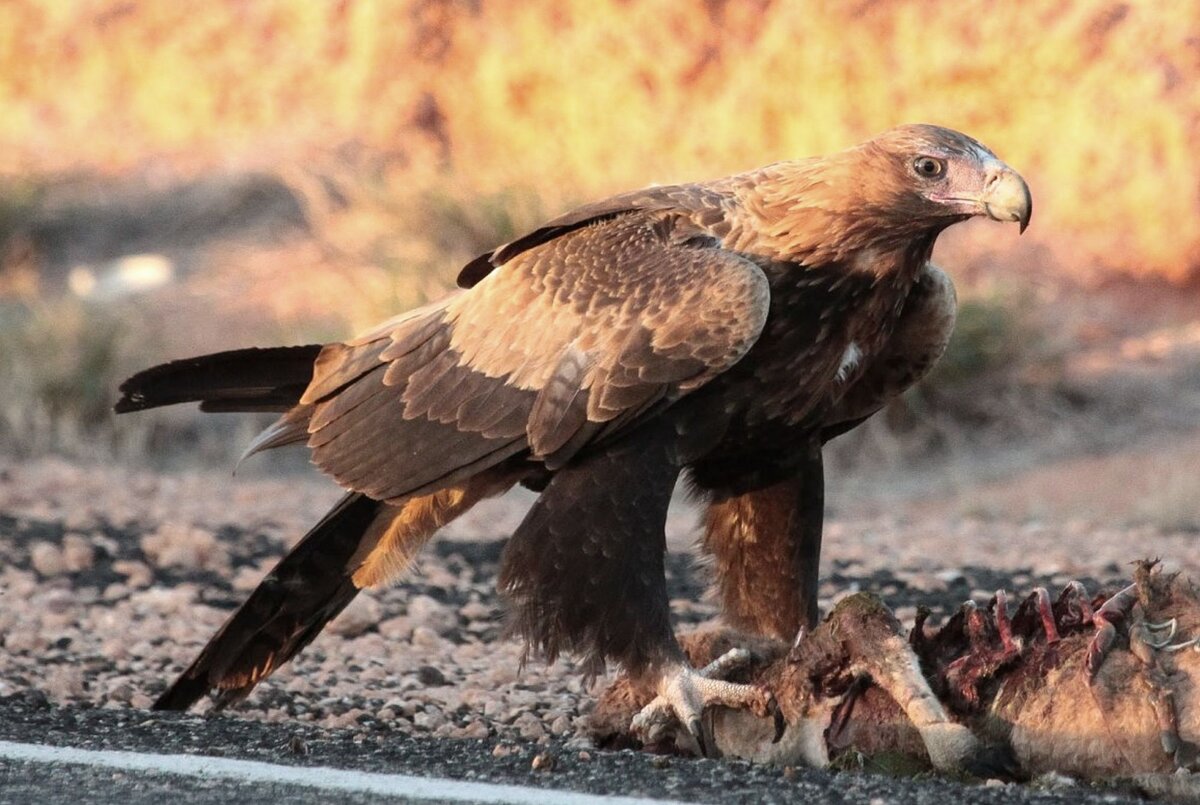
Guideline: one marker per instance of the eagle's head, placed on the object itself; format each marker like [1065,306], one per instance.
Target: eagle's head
[929,174]
[894,193]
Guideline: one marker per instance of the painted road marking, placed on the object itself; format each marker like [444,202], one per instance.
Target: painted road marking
[325,778]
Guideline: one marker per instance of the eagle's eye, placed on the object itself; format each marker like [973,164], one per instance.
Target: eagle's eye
[929,167]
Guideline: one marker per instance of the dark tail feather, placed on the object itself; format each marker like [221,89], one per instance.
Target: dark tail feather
[308,588]
[240,380]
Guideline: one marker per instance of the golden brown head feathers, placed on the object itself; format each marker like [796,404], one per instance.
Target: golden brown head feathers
[905,185]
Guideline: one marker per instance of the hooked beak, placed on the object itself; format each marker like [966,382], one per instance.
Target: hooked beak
[1005,196]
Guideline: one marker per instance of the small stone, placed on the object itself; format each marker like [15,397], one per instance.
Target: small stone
[476,729]
[115,592]
[423,610]
[429,676]
[399,628]
[560,725]
[46,559]
[361,615]
[529,726]
[789,773]
[543,761]
[584,756]
[504,750]
[428,721]
[426,638]
[297,746]
[78,553]
[660,762]
[136,574]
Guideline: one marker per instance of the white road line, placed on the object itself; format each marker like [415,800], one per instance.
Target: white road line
[328,779]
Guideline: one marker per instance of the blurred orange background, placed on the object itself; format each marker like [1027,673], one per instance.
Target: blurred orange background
[1096,102]
[207,175]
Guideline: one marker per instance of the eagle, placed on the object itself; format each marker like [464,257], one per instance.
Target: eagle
[722,331]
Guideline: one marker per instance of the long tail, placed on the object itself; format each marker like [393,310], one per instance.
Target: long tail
[308,588]
[271,379]
[361,543]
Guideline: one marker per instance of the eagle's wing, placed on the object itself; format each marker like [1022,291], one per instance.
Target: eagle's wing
[575,339]
[649,200]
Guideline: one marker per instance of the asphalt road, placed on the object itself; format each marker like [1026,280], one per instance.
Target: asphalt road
[28,718]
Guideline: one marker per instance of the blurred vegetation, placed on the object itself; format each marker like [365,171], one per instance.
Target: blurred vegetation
[1096,102]
[60,364]
[413,135]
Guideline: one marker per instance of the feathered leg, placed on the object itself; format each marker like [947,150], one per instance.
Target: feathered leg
[584,573]
[766,549]
[584,570]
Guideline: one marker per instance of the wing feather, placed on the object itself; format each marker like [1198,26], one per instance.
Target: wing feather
[577,336]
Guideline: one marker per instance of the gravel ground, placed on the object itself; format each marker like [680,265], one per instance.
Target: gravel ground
[111,581]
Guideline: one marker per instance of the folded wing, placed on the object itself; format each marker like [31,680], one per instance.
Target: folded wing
[573,340]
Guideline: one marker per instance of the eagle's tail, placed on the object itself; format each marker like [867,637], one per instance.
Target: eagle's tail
[308,587]
[361,543]
[254,379]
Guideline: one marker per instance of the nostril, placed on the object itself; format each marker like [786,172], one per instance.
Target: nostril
[992,181]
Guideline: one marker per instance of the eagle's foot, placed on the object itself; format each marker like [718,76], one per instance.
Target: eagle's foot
[684,693]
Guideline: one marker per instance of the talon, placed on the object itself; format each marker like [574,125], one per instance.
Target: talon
[683,695]
[696,730]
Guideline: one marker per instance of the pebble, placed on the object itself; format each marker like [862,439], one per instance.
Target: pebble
[428,721]
[476,729]
[77,553]
[398,628]
[543,761]
[429,676]
[424,610]
[425,638]
[47,559]
[361,614]
[529,726]
[136,574]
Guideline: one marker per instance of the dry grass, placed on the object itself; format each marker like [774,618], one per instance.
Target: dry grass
[1098,103]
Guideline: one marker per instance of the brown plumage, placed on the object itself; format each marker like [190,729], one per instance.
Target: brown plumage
[725,329]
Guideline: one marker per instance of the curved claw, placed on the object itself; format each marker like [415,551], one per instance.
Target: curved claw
[683,695]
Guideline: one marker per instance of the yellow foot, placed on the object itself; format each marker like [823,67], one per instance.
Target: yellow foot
[684,692]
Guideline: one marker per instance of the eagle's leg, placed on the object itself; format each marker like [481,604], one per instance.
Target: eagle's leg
[584,571]
[766,549]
